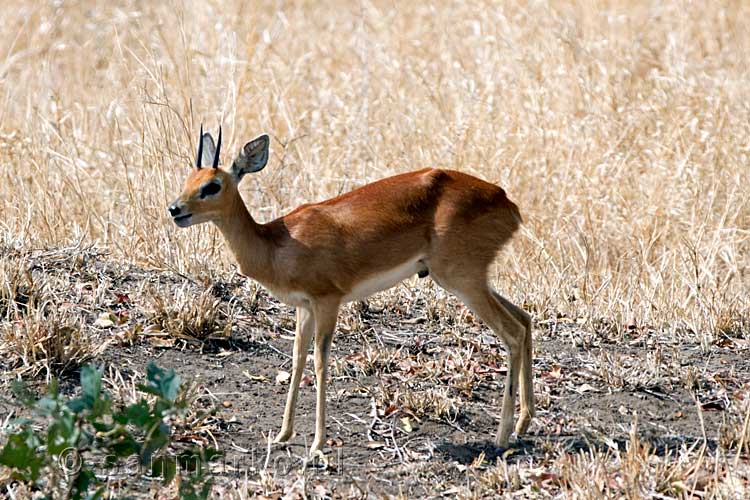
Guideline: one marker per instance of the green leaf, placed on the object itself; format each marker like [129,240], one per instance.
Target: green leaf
[91,388]
[191,462]
[78,405]
[101,426]
[48,406]
[206,491]
[137,414]
[191,489]
[124,446]
[20,453]
[21,392]
[164,467]
[62,433]
[98,494]
[91,381]
[162,383]
[211,453]
[102,406]
[83,481]
[158,438]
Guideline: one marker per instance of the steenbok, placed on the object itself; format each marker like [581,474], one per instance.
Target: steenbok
[441,223]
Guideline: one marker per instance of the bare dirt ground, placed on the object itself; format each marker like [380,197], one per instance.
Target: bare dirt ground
[415,391]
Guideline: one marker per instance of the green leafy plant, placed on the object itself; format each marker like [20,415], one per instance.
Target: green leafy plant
[49,457]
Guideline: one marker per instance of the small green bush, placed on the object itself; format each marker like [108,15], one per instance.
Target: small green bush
[46,450]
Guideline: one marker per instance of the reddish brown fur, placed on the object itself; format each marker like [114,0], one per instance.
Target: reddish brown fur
[325,248]
[451,223]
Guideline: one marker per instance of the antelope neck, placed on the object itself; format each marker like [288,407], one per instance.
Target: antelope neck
[246,240]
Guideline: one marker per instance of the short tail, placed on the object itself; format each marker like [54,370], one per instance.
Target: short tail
[515,213]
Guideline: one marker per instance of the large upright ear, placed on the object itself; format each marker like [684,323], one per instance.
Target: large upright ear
[207,150]
[252,158]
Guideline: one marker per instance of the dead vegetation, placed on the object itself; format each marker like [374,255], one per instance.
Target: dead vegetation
[181,314]
[617,420]
[620,128]
[48,344]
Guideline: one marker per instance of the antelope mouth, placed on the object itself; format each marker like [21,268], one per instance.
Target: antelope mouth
[182,220]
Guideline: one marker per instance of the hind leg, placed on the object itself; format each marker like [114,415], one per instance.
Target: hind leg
[526,377]
[473,289]
[326,312]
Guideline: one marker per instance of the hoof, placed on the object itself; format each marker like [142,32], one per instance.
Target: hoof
[502,443]
[317,455]
[283,436]
[502,440]
[523,424]
[316,449]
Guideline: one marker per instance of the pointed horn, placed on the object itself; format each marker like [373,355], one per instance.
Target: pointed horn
[200,149]
[218,150]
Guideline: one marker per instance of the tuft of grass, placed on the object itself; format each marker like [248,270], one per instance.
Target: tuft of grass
[52,343]
[370,361]
[431,403]
[183,314]
[734,434]
[637,471]
[18,290]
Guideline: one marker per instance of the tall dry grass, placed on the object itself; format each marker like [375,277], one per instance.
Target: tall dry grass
[622,129]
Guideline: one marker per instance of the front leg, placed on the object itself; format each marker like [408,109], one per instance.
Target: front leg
[326,313]
[302,337]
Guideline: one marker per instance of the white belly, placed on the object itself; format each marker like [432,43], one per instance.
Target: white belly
[384,280]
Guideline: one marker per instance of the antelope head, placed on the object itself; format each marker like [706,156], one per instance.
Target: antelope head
[210,192]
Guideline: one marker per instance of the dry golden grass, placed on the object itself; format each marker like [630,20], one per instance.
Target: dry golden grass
[621,128]
[185,316]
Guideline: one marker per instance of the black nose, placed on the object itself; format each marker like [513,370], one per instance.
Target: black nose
[174,210]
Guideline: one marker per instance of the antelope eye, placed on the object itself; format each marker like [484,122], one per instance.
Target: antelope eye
[210,188]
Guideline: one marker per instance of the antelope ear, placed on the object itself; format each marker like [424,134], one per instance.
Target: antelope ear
[252,158]
[207,150]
